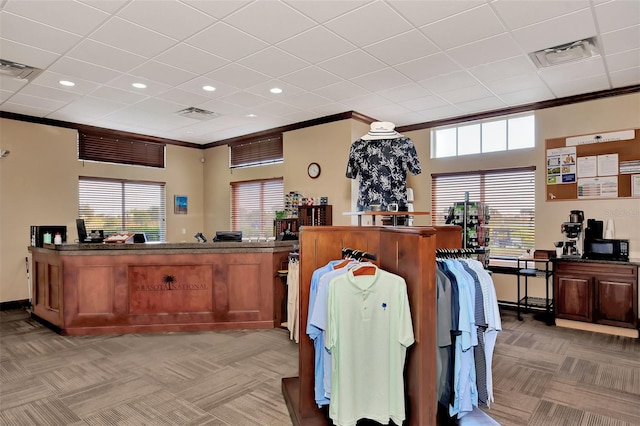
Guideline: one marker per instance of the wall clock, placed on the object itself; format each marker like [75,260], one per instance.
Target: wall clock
[313,170]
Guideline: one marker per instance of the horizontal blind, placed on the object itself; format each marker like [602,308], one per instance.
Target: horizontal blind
[119,205]
[111,149]
[510,196]
[253,206]
[262,151]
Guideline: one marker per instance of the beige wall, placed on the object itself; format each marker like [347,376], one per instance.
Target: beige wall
[38,181]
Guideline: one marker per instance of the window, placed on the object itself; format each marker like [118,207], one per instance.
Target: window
[120,205]
[510,196]
[491,135]
[256,152]
[253,206]
[109,147]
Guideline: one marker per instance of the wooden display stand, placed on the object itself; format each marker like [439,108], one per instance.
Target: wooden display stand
[406,251]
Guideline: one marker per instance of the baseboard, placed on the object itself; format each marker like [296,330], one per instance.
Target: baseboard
[599,328]
[15,304]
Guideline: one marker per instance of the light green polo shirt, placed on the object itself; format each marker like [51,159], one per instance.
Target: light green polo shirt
[368,332]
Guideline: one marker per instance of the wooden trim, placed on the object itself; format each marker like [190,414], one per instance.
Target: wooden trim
[15,304]
[485,172]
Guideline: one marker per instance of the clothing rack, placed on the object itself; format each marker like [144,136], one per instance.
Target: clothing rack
[405,251]
[349,253]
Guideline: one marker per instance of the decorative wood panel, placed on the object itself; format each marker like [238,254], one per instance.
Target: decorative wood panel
[95,290]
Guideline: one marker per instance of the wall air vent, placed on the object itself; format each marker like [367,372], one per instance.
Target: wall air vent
[18,71]
[558,55]
[198,114]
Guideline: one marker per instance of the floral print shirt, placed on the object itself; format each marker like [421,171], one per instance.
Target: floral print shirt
[382,165]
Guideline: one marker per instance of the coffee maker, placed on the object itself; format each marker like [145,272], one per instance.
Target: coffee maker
[573,239]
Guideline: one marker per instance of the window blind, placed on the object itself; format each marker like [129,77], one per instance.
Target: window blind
[510,196]
[253,206]
[112,149]
[120,205]
[256,152]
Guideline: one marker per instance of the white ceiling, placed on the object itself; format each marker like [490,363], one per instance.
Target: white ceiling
[403,61]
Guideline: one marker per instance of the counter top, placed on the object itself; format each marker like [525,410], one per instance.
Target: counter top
[635,262]
[170,248]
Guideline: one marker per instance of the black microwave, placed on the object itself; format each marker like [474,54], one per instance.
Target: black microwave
[602,249]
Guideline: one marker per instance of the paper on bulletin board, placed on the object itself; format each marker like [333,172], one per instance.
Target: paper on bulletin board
[598,187]
[608,165]
[561,165]
[587,166]
[635,186]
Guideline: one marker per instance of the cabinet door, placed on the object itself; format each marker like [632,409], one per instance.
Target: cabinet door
[573,297]
[615,300]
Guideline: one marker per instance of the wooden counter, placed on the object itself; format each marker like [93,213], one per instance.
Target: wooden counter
[133,288]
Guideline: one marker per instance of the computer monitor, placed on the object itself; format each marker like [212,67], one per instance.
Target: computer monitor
[228,236]
[140,237]
[82,231]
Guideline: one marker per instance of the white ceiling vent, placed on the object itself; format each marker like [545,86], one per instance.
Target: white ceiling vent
[19,71]
[198,114]
[558,55]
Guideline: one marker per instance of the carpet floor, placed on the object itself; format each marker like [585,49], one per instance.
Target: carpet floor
[542,376]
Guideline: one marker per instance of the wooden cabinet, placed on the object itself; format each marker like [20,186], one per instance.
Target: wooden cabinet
[599,292]
[321,215]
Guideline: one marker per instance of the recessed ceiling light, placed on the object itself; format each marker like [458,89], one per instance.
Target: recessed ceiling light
[251,116]
[67,83]
[276,90]
[139,85]
[208,88]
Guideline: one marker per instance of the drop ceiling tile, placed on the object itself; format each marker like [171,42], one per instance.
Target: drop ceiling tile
[48,104]
[12,84]
[621,40]
[265,20]
[404,93]
[424,102]
[25,109]
[516,14]
[74,17]
[557,31]
[132,38]
[527,96]
[626,77]
[191,59]
[171,18]
[196,86]
[221,107]
[52,93]
[352,64]
[218,8]
[505,68]
[483,104]
[273,62]
[389,112]
[369,24]
[402,48]
[447,82]
[576,86]
[22,54]
[311,78]
[110,6]
[31,33]
[52,79]
[84,70]
[425,12]
[427,67]
[238,76]
[5,94]
[183,97]
[316,45]
[236,43]
[157,71]
[465,94]
[89,108]
[485,51]
[329,109]
[615,15]
[444,111]
[117,95]
[307,100]
[107,56]
[463,28]
[276,109]
[263,89]
[368,100]
[341,91]
[566,73]
[518,83]
[623,60]
[325,10]
[245,99]
[125,81]
[382,79]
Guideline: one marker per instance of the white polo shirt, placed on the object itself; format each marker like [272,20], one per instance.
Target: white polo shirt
[368,332]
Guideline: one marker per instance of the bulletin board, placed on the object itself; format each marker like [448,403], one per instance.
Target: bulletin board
[592,167]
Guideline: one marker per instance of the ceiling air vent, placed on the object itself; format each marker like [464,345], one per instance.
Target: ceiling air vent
[198,114]
[19,71]
[558,55]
